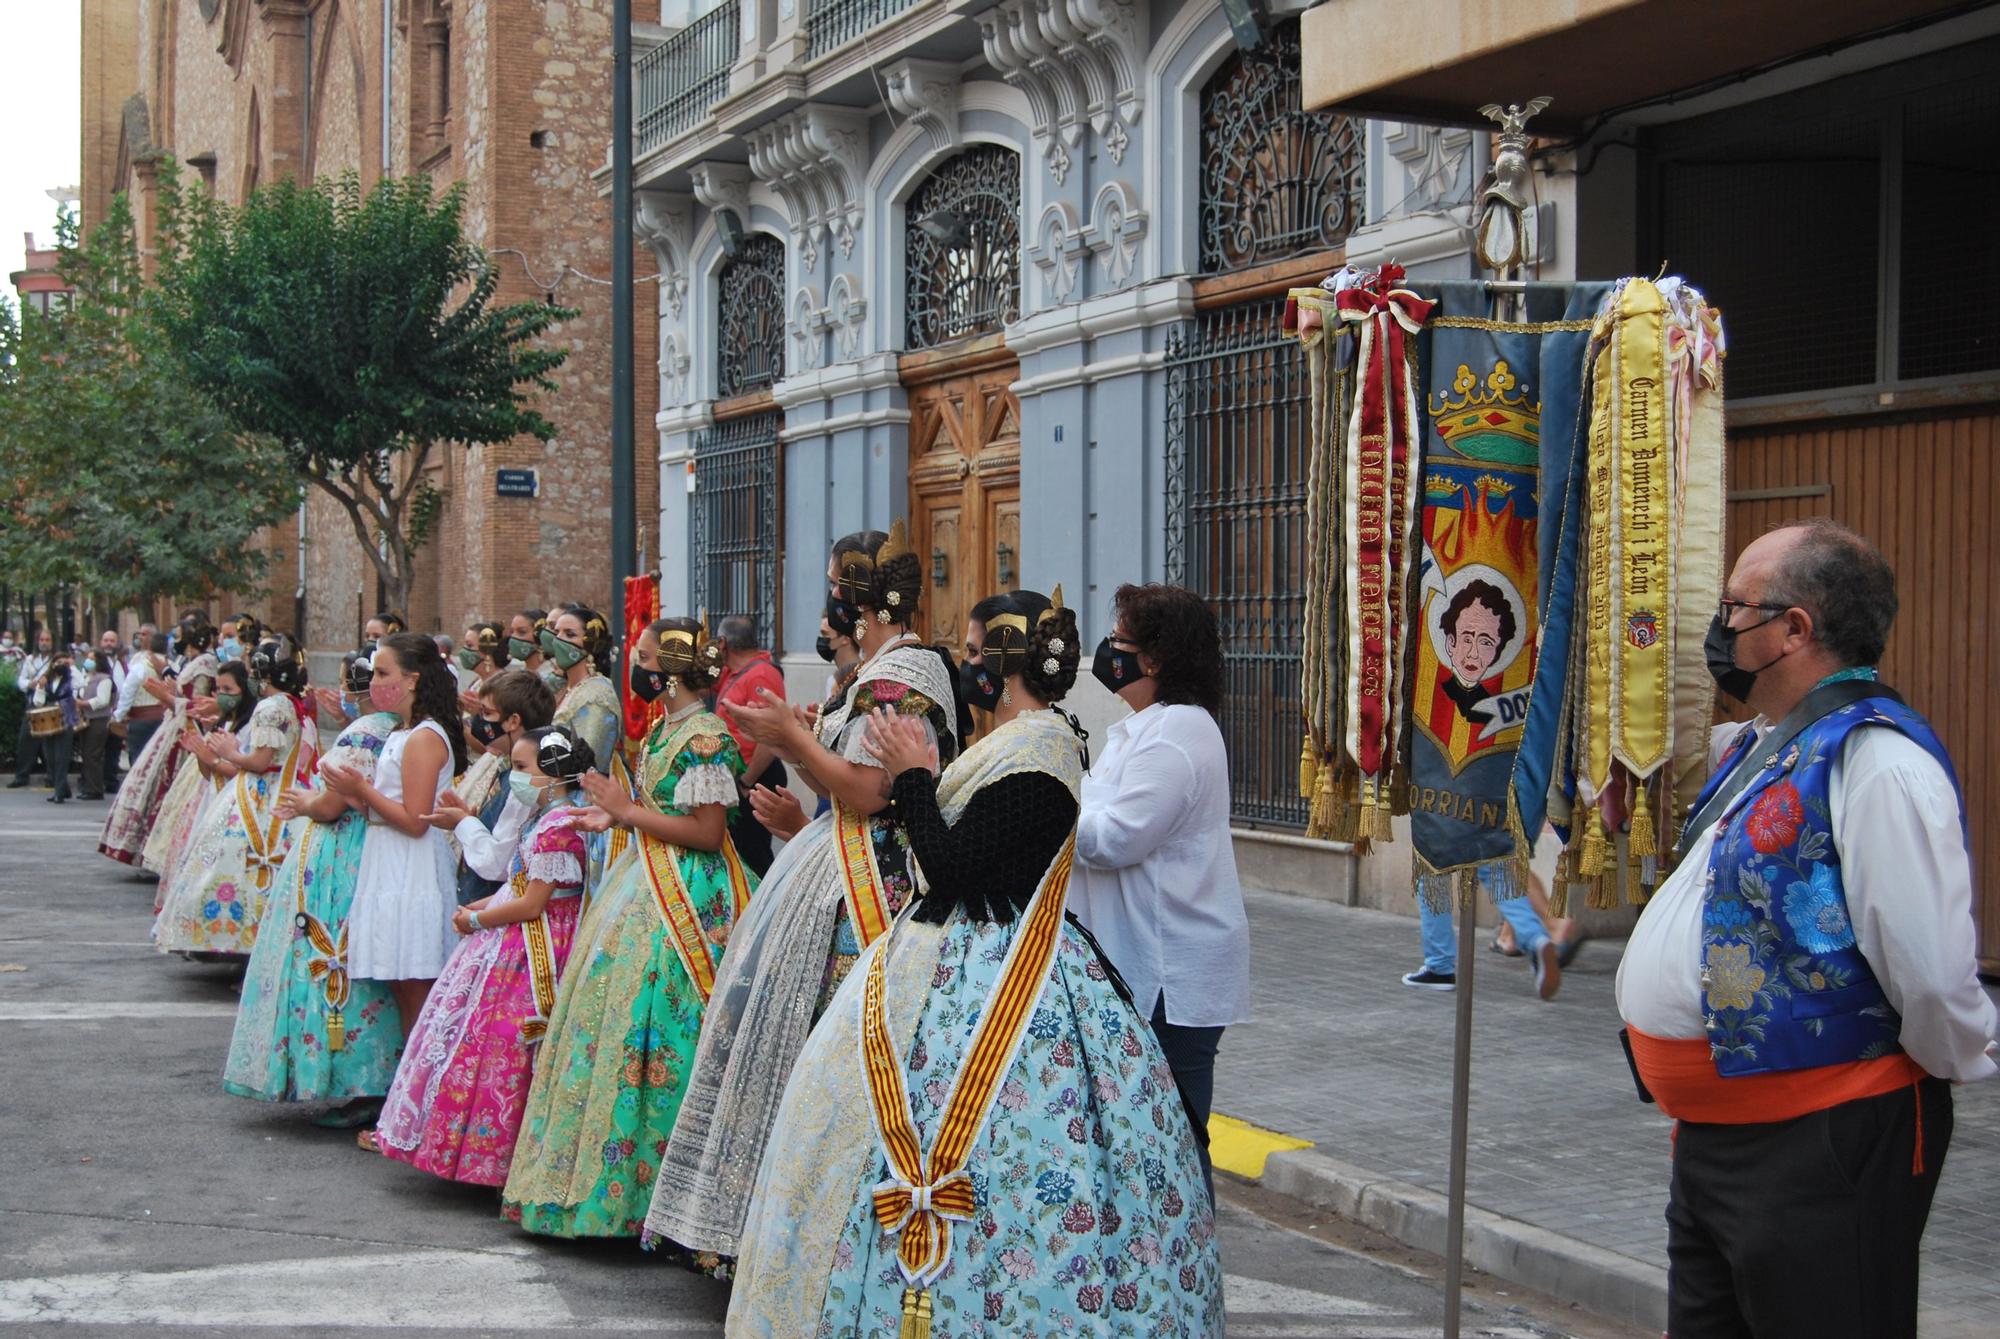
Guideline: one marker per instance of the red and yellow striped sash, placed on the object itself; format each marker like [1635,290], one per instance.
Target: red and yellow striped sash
[670,895]
[922,1197]
[867,908]
[328,965]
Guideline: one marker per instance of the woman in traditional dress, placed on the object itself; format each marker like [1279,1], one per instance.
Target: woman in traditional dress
[982,1136]
[242,841]
[608,1084]
[399,925]
[512,703]
[455,1108]
[578,642]
[145,785]
[832,890]
[307,1031]
[205,777]
[195,683]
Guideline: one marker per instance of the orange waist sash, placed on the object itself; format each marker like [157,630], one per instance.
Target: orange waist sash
[1681,1076]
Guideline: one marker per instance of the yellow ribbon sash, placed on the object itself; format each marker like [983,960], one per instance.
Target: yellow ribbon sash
[265,859]
[541,971]
[1643,601]
[922,1197]
[619,838]
[328,965]
[670,895]
[867,908]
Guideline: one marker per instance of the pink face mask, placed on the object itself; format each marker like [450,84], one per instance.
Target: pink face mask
[387,696]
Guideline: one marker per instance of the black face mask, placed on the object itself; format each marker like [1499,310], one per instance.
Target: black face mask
[1115,669]
[841,615]
[1719,649]
[485,731]
[981,689]
[646,684]
[368,647]
[823,645]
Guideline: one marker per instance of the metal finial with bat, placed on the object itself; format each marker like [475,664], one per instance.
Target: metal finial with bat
[1503,233]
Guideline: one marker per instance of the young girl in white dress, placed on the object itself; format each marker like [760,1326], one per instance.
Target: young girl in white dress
[399,928]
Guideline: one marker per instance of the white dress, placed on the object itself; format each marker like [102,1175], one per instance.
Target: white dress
[399,928]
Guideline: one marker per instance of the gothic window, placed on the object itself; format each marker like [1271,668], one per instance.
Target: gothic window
[962,254]
[1276,180]
[751,322]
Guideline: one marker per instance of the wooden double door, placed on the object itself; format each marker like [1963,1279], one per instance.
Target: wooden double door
[965,482]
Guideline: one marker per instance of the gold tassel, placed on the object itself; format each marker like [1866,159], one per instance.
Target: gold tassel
[1325,806]
[916,1314]
[1559,898]
[1381,830]
[1596,841]
[1308,768]
[1602,896]
[336,1031]
[1644,844]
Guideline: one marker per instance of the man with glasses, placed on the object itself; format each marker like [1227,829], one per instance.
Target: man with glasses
[1800,994]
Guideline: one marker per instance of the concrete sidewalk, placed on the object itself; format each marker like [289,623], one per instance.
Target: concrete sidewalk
[1569,1167]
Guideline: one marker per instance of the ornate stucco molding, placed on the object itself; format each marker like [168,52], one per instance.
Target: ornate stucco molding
[926,94]
[816,159]
[1081,64]
[1062,242]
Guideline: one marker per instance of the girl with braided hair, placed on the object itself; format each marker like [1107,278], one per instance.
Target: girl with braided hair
[608,1086]
[831,892]
[982,1085]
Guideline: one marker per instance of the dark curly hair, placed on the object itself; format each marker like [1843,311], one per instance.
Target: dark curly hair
[197,637]
[1175,629]
[1048,631]
[277,662]
[1488,594]
[699,670]
[245,703]
[393,621]
[354,672]
[890,588]
[436,698]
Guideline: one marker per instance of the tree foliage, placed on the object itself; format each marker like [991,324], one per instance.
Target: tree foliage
[116,475]
[360,332]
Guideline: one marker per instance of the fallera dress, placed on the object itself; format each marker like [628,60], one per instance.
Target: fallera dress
[240,844]
[1087,1211]
[455,1107]
[608,1082]
[145,788]
[785,961]
[307,1031]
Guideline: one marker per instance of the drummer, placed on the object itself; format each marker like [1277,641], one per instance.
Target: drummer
[55,691]
[29,749]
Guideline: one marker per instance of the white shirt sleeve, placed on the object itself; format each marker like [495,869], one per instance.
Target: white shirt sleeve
[128,691]
[31,669]
[490,854]
[1908,880]
[101,699]
[1122,826]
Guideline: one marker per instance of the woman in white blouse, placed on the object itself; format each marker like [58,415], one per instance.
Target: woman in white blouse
[1155,877]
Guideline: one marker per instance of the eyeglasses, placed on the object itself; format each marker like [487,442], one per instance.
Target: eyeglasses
[1727,607]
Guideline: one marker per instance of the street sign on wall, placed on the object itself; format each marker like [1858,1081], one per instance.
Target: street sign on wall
[517,483]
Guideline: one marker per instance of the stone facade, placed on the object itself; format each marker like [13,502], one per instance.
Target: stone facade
[508,101]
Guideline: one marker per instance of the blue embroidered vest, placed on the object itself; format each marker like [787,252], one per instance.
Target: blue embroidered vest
[1783,986]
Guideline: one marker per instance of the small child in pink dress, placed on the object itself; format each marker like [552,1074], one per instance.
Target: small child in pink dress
[454,1108]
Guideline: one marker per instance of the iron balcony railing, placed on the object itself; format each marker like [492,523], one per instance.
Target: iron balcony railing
[684,76]
[831,24]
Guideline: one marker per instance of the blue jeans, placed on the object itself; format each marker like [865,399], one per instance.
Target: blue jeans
[137,735]
[1441,945]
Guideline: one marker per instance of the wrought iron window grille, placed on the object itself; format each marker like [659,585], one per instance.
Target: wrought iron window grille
[1277,181]
[750,348]
[1237,417]
[733,522]
[962,254]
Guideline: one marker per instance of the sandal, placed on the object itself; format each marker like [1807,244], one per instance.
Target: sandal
[365,1141]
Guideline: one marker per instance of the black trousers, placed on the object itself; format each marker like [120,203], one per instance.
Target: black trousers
[94,736]
[1806,1228]
[30,751]
[60,748]
[1190,1053]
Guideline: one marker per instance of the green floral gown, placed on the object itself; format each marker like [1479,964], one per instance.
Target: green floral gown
[609,1076]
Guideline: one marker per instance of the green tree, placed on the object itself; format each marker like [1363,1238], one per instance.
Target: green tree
[361,333]
[116,475]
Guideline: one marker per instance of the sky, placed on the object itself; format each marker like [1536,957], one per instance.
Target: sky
[40,94]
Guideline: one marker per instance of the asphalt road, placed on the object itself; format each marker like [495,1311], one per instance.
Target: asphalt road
[135,1193]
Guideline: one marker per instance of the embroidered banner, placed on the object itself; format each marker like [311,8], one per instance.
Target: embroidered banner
[1476,619]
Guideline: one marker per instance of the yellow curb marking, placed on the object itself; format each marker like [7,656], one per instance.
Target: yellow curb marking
[1240,1147]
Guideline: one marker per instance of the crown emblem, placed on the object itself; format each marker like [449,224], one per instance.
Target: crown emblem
[1493,420]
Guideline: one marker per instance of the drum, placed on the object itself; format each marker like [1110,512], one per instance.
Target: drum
[45,721]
